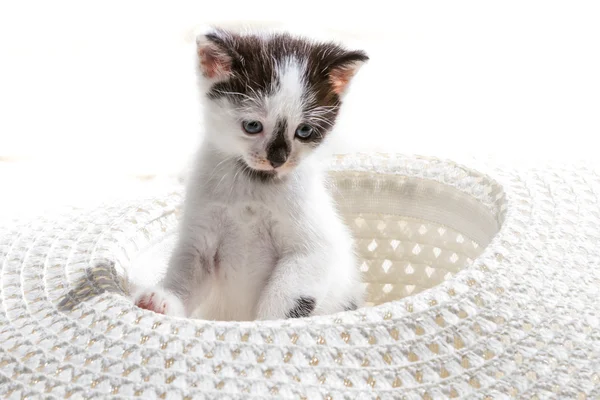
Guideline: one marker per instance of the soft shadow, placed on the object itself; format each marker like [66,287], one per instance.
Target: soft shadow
[99,279]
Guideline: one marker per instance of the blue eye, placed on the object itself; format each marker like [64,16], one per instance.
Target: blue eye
[252,127]
[304,131]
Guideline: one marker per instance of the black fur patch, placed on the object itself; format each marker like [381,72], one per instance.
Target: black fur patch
[304,306]
[351,306]
[278,150]
[254,61]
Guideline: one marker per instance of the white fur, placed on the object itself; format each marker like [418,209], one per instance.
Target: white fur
[249,249]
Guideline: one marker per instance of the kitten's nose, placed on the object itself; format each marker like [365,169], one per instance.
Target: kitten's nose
[276,163]
[277,157]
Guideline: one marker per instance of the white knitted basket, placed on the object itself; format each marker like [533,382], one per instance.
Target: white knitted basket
[483,286]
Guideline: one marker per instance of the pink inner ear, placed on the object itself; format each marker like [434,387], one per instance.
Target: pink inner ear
[214,63]
[340,77]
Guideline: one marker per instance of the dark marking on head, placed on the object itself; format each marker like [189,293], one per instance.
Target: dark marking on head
[252,73]
[304,306]
[279,148]
[351,306]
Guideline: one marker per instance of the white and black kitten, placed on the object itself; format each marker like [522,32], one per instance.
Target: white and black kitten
[260,237]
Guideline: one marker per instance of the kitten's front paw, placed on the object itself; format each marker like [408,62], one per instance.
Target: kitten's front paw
[160,301]
[290,307]
[304,306]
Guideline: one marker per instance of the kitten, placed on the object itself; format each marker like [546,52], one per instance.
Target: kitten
[260,237]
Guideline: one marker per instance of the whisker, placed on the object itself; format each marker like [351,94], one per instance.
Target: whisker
[323,121]
[222,178]
[214,170]
[233,181]
[236,94]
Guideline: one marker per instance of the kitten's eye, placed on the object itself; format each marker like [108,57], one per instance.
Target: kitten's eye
[304,131]
[252,127]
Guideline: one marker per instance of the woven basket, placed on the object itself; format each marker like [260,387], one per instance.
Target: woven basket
[483,286]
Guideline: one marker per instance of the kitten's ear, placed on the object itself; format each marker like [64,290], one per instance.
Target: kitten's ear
[215,60]
[344,68]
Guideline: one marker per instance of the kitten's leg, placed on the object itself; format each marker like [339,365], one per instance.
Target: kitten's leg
[294,288]
[195,256]
[177,292]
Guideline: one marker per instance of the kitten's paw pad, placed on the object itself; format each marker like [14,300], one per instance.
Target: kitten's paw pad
[160,301]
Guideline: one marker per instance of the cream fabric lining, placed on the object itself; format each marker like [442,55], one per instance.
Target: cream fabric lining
[410,233]
[418,198]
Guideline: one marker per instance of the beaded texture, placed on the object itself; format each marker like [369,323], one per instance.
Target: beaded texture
[482,282]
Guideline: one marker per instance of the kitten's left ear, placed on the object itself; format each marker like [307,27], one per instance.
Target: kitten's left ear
[344,68]
[214,57]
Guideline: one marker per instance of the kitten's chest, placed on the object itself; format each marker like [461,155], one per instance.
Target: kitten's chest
[253,235]
[246,253]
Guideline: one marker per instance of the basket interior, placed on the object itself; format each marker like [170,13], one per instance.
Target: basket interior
[413,233]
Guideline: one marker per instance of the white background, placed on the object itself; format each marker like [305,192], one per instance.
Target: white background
[98,100]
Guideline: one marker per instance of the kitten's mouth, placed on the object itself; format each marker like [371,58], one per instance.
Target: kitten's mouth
[259,174]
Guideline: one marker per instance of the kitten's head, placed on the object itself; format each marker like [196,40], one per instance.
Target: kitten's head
[272,98]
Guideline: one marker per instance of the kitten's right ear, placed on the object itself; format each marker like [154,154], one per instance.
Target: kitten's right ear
[215,61]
